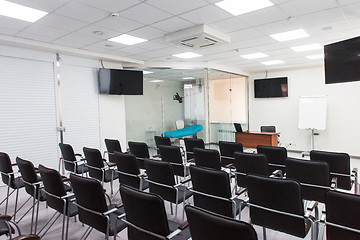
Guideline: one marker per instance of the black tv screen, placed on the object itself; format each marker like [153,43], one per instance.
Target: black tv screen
[342,61]
[271,87]
[120,82]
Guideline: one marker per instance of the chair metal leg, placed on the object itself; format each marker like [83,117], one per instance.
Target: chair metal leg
[16,202]
[264,233]
[171,208]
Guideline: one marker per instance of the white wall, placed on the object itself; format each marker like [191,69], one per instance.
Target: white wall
[343,113]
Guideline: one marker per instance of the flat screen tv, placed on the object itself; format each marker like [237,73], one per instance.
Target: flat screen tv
[120,82]
[271,87]
[342,61]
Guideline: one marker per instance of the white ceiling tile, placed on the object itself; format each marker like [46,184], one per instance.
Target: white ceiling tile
[41,30]
[41,38]
[81,12]
[110,5]
[61,22]
[263,16]
[206,15]
[177,7]
[44,5]
[145,14]
[278,27]
[80,38]
[173,24]
[132,50]
[89,30]
[268,47]
[67,43]
[150,46]
[352,10]
[7,31]
[122,25]
[147,33]
[302,7]
[346,2]
[229,25]
[245,34]
[12,23]
[323,17]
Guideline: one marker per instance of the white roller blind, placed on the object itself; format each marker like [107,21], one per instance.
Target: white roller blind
[80,104]
[28,117]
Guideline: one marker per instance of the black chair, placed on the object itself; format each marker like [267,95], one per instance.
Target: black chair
[112,145]
[190,144]
[7,227]
[227,150]
[129,171]
[249,163]
[146,216]
[208,158]
[69,159]
[97,168]
[339,164]
[268,129]
[33,187]
[277,204]
[212,191]
[205,225]
[342,216]
[162,182]
[93,209]
[11,179]
[162,141]
[141,151]
[172,155]
[276,157]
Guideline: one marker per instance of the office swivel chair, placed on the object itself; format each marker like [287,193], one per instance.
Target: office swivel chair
[205,225]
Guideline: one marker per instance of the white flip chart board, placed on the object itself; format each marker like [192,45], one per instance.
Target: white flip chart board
[312,112]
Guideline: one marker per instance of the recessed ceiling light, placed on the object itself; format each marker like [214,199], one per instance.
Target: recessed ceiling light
[157,81]
[127,39]
[254,55]
[187,55]
[237,7]
[290,35]
[188,78]
[308,47]
[98,32]
[273,62]
[109,45]
[147,72]
[318,56]
[21,12]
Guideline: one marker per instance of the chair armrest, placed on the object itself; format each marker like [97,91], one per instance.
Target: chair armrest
[173,234]
[191,160]
[110,211]
[110,164]
[188,179]
[157,155]
[230,165]
[78,155]
[277,173]
[312,205]
[14,164]
[241,191]
[69,195]
[184,225]
[5,217]
[65,178]
[333,183]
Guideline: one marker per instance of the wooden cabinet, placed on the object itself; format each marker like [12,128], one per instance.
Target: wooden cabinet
[252,139]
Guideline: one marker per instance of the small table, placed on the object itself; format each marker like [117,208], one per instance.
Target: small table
[252,139]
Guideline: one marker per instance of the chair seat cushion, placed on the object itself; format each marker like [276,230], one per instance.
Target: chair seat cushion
[183,235]
[120,225]
[181,194]
[18,183]
[108,174]
[82,169]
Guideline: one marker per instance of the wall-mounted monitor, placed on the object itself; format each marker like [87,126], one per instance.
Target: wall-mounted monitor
[271,87]
[342,61]
[120,82]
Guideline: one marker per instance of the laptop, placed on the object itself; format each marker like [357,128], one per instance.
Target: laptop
[238,127]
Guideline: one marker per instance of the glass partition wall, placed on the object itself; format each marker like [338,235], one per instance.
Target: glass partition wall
[208,97]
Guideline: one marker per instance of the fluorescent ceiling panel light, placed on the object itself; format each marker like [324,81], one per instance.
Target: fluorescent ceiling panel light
[238,7]
[127,39]
[187,86]
[147,72]
[156,81]
[318,56]
[187,55]
[308,47]
[254,55]
[21,12]
[188,78]
[290,35]
[273,62]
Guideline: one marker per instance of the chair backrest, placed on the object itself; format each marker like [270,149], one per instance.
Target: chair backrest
[112,145]
[159,141]
[172,154]
[191,143]
[342,209]
[179,124]
[205,225]
[146,211]
[28,174]
[228,149]
[250,163]
[53,184]
[163,173]
[68,154]
[208,158]
[127,163]
[90,195]
[267,129]
[309,172]
[140,150]
[274,155]
[212,182]
[94,160]
[338,163]
[277,194]
[6,167]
